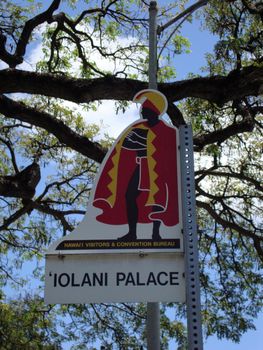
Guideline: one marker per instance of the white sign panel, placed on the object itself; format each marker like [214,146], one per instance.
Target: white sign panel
[93,278]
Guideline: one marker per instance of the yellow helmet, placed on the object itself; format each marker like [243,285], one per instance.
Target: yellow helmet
[153,100]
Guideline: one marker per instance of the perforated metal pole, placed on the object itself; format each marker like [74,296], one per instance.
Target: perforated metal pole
[153,309]
[194,325]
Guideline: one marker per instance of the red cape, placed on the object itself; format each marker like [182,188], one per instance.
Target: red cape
[160,176]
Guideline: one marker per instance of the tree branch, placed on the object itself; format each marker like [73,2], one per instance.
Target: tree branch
[186,12]
[12,153]
[231,174]
[218,89]
[57,214]
[30,25]
[227,224]
[175,115]
[19,111]
[14,217]
[255,9]
[21,185]
[219,136]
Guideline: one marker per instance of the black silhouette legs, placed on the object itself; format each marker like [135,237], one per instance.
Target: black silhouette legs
[131,196]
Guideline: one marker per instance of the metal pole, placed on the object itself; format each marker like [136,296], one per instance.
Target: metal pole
[153,326]
[193,304]
[153,309]
[153,45]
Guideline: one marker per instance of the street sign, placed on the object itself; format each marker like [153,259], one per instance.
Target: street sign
[129,245]
[93,278]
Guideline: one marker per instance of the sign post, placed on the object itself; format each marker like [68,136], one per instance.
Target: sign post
[194,325]
[153,309]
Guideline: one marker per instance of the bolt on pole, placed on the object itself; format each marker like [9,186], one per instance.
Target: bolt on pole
[153,309]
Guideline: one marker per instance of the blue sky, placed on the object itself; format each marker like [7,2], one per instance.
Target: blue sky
[250,340]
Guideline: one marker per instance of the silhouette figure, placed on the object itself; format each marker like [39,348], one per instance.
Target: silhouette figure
[138,183]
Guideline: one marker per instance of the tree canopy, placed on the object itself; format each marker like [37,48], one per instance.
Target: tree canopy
[94,51]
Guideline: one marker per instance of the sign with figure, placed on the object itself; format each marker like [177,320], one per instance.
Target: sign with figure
[134,208]
[135,204]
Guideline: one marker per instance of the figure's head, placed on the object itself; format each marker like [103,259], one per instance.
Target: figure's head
[153,104]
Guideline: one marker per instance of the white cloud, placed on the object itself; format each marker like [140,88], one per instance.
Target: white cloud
[113,123]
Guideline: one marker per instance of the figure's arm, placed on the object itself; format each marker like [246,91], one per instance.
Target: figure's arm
[136,140]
